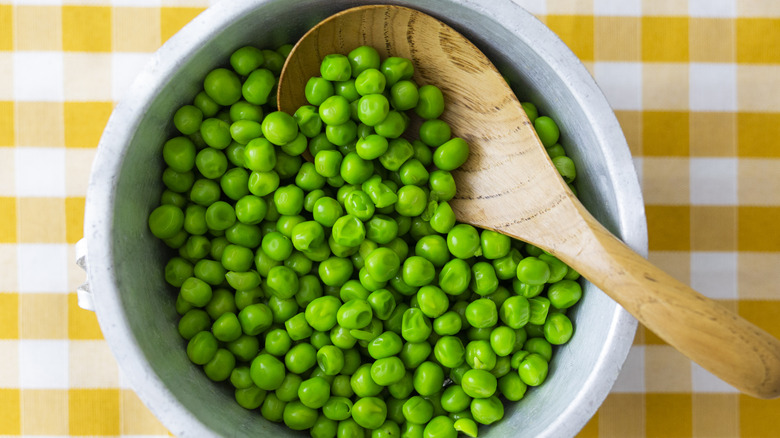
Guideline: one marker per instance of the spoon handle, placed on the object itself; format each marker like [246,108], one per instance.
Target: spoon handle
[719,340]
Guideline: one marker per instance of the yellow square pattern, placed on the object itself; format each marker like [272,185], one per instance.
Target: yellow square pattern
[7,220]
[664,39]
[84,123]
[11,412]
[93,411]
[86,28]
[758,40]
[576,31]
[7,124]
[661,50]
[9,315]
[6,27]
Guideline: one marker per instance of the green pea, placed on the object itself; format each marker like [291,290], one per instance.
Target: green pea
[558,329]
[314,392]
[455,399]
[539,308]
[452,154]
[267,372]
[279,128]
[487,410]
[273,408]
[414,353]
[442,183]
[263,183]
[178,183]
[398,151]
[431,102]
[388,429]
[466,426]
[396,69]
[222,301]
[428,378]
[480,355]
[416,327]
[355,170]
[227,327]
[244,235]
[362,383]
[533,271]
[193,322]
[338,408]
[250,397]
[223,86]
[564,294]
[196,291]
[515,312]
[463,241]
[216,133]
[258,86]
[324,428]
[330,359]
[506,266]
[335,271]
[547,130]
[385,345]
[335,67]
[298,416]
[482,313]
[455,276]
[218,369]
[179,153]
[502,340]
[435,132]
[417,410]
[402,388]
[243,110]
[166,221]
[282,282]
[449,351]
[558,269]
[448,323]
[287,165]
[205,104]
[300,358]
[404,95]
[483,280]
[530,110]
[277,342]
[372,109]
[412,201]
[346,89]
[244,348]
[317,90]
[387,370]
[297,327]
[533,370]
[512,387]
[354,314]
[432,300]
[255,318]
[240,379]
[363,58]
[440,427]
[187,119]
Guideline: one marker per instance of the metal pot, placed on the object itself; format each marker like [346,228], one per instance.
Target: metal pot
[135,307]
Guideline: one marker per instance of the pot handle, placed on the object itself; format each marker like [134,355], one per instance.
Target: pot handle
[84,293]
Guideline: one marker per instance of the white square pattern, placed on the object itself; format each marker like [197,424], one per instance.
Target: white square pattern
[40,172]
[715,274]
[712,87]
[125,67]
[712,8]
[88,76]
[704,381]
[621,83]
[9,364]
[713,181]
[38,76]
[42,268]
[630,8]
[632,377]
[43,364]
[535,7]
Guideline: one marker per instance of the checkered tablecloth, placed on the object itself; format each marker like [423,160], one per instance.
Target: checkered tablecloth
[695,85]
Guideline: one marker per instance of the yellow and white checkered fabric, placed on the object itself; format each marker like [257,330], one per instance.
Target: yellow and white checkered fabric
[695,85]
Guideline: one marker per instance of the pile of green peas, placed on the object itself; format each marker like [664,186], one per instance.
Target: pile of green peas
[340,295]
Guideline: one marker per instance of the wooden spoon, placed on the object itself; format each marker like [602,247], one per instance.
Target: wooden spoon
[510,185]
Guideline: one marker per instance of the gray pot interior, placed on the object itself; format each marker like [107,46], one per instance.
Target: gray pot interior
[135,306]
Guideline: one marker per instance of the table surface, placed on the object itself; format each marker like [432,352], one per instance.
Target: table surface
[695,85]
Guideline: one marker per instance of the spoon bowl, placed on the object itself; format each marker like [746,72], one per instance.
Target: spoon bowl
[509,185]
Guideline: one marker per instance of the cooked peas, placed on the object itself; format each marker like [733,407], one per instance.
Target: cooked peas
[353,258]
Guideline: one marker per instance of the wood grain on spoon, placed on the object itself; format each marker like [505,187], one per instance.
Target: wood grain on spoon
[510,185]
